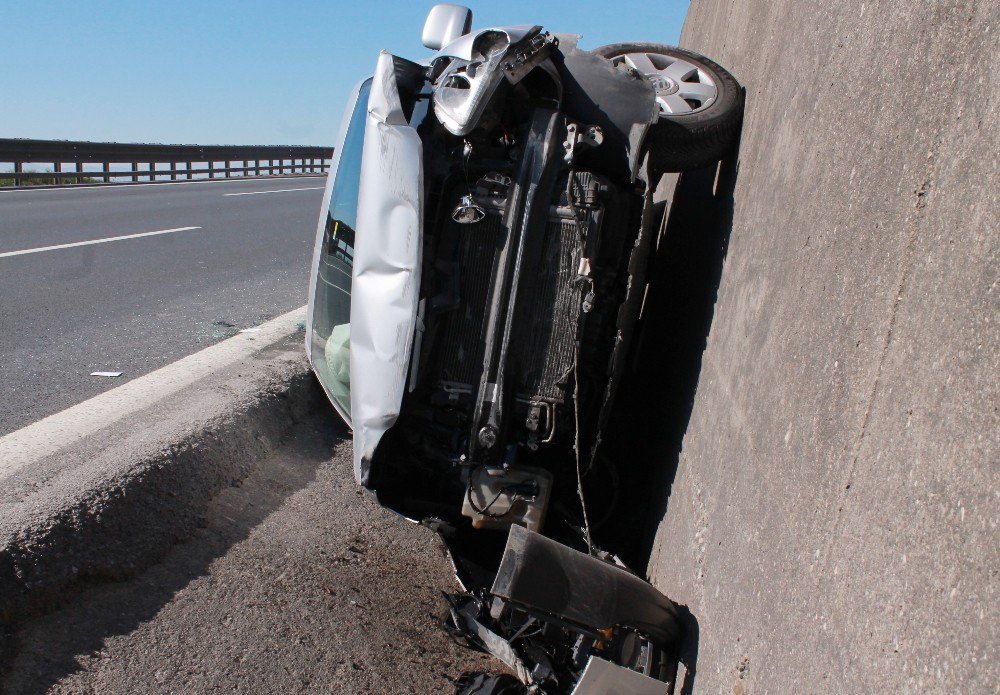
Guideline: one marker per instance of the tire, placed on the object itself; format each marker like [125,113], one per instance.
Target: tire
[700,113]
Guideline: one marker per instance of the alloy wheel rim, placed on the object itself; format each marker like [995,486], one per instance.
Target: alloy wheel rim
[681,87]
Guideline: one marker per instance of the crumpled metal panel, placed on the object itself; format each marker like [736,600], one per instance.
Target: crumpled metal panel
[465,88]
[462,46]
[386,273]
[602,677]
[543,575]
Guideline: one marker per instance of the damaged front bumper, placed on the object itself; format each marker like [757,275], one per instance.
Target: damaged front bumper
[565,621]
[468,73]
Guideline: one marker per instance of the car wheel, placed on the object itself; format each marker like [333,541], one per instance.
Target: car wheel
[701,104]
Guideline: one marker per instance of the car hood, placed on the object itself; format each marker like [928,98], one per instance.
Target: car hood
[386,273]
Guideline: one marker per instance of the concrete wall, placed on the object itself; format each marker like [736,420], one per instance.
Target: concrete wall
[832,520]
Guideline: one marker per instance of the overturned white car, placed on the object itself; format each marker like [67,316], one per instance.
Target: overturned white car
[479,271]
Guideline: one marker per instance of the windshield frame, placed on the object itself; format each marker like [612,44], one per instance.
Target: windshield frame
[345,124]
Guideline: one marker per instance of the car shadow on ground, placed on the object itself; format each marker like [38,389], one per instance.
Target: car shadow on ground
[49,648]
[653,408]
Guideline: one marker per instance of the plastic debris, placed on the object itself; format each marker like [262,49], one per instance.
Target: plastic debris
[252,329]
[562,620]
[109,374]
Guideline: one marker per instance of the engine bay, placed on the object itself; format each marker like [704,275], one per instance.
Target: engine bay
[532,219]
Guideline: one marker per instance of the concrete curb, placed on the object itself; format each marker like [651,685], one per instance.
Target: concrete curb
[97,493]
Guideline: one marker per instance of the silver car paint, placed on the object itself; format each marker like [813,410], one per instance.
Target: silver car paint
[462,46]
[386,272]
[465,88]
[444,24]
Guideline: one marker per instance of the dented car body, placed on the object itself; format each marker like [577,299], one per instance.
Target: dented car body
[480,265]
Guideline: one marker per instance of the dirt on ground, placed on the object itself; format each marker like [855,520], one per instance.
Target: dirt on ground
[297,582]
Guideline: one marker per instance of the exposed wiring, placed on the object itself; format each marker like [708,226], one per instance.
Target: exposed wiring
[576,449]
[588,283]
[582,228]
[615,485]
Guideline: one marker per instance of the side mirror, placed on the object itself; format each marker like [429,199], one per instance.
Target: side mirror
[444,24]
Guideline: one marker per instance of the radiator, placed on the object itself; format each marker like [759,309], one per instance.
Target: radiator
[543,341]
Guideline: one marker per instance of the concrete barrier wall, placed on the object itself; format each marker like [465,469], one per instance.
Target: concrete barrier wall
[832,524]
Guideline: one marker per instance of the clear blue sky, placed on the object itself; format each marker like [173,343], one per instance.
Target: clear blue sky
[249,72]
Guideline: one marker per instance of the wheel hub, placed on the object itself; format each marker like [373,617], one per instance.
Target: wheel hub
[682,87]
[662,84]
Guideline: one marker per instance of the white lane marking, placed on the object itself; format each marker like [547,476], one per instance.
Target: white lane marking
[45,437]
[94,241]
[280,190]
[127,185]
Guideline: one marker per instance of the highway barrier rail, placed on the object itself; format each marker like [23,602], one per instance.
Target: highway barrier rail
[151,162]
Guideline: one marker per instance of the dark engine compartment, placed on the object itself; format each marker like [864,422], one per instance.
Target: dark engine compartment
[530,286]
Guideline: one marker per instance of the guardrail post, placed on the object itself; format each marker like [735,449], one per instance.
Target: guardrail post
[228,173]
[107,171]
[18,169]
[189,170]
[135,171]
[78,168]
[57,168]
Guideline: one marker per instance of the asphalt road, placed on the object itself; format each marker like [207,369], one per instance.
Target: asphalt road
[134,305]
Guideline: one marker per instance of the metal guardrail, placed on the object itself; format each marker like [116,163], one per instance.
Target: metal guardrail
[264,160]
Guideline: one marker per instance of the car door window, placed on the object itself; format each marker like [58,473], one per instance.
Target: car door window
[332,303]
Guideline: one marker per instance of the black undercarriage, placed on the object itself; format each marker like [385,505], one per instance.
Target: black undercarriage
[536,229]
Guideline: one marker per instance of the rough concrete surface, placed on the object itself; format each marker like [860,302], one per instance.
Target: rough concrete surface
[297,582]
[111,503]
[832,520]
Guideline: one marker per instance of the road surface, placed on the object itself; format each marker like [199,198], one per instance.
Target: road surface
[228,255]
